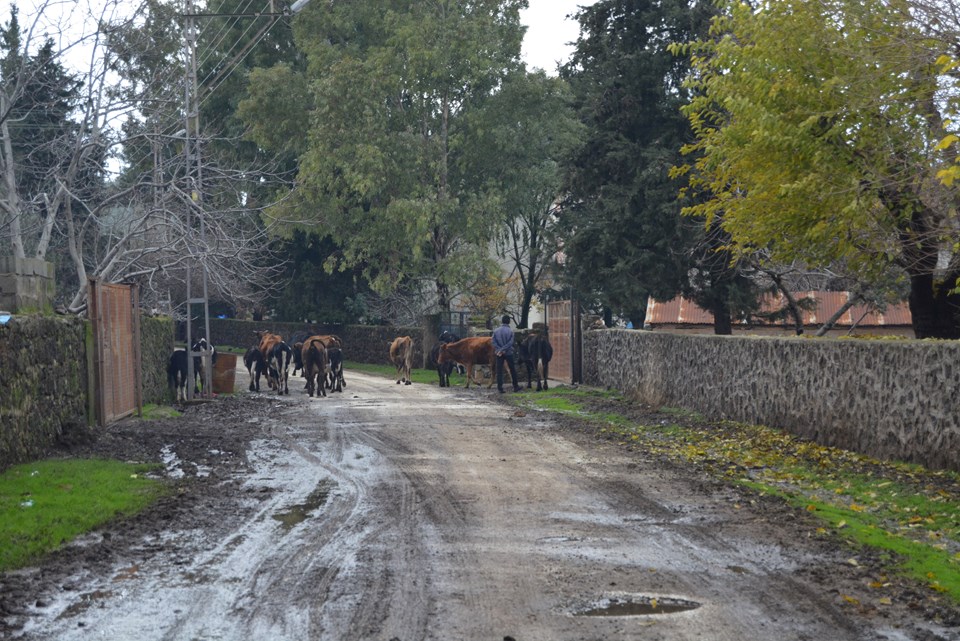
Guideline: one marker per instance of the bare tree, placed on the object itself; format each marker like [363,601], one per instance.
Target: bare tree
[113,201]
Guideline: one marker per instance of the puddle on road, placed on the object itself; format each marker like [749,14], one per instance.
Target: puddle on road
[636,606]
[296,514]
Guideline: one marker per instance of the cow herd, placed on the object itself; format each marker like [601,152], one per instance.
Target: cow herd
[320,358]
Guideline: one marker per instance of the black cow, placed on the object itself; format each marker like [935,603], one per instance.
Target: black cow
[335,382]
[535,352]
[278,366]
[253,361]
[443,370]
[177,369]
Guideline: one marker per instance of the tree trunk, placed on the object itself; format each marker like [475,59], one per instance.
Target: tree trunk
[722,323]
[935,311]
[443,296]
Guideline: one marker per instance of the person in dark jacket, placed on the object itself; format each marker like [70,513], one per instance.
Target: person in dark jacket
[503,348]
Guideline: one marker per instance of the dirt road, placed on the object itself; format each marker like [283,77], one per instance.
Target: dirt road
[412,512]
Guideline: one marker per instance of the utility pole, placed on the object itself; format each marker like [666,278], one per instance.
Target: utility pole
[193,164]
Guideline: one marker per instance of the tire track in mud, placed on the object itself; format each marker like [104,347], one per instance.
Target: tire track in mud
[451,517]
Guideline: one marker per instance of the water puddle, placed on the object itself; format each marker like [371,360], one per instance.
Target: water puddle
[636,606]
[296,514]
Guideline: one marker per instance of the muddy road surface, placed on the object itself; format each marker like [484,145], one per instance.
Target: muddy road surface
[404,513]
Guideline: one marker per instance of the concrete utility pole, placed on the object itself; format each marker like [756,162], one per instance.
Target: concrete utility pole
[194,164]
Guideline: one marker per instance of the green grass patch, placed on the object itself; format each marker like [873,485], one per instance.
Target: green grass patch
[910,514]
[423,376]
[153,412]
[47,503]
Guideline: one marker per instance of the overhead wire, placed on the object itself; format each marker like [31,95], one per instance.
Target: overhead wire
[145,147]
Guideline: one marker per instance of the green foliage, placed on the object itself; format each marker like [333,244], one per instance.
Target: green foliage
[47,503]
[522,136]
[313,293]
[384,166]
[623,237]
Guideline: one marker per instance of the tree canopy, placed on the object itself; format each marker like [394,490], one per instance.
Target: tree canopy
[622,235]
[817,127]
[385,160]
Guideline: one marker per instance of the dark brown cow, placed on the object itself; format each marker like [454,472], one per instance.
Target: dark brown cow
[401,355]
[476,350]
[314,358]
[535,352]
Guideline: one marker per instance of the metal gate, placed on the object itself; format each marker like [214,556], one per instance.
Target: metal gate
[114,313]
[454,322]
[563,327]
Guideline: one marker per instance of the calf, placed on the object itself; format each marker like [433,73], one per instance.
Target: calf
[335,382]
[315,362]
[443,370]
[535,352]
[475,350]
[401,355]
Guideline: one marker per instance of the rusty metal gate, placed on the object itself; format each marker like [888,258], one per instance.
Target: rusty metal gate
[563,327]
[114,313]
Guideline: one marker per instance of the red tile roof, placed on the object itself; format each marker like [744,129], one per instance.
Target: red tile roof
[681,311]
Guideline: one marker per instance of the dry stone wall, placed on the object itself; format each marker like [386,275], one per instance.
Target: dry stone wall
[46,386]
[894,400]
[156,345]
[44,365]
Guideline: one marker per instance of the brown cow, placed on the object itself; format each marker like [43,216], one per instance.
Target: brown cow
[268,341]
[401,355]
[476,350]
[314,358]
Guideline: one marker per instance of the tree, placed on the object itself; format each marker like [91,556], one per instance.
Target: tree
[523,134]
[817,126]
[62,197]
[621,231]
[384,167]
[37,96]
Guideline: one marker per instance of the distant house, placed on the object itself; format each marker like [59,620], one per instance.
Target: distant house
[683,316]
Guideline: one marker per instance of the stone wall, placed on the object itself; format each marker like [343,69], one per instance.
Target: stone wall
[156,345]
[44,365]
[47,384]
[894,400]
[361,343]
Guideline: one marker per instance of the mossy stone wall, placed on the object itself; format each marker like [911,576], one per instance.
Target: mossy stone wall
[47,383]
[44,365]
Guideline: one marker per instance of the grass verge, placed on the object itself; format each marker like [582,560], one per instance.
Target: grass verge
[423,376]
[909,515]
[47,503]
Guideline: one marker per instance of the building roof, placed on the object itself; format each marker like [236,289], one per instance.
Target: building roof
[681,311]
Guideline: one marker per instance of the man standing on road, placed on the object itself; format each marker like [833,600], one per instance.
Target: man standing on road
[503,347]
